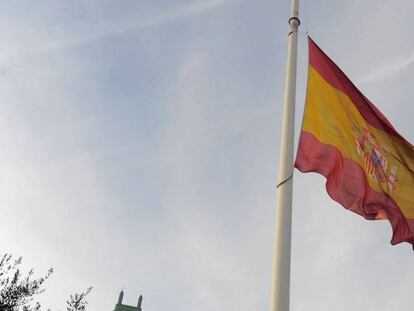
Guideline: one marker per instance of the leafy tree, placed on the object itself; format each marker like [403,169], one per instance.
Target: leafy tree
[78,302]
[18,291]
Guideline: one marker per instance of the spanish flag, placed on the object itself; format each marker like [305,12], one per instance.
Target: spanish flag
[368,166]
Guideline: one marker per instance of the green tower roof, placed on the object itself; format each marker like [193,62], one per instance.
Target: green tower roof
[121,307]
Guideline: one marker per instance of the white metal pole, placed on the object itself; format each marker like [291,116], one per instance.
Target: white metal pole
[280,295]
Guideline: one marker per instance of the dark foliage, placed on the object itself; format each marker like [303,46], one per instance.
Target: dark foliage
[78,302]
[18,291]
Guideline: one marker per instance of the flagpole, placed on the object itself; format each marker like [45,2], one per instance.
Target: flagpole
[280,295]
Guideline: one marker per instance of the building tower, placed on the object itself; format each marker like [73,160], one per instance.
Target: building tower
[120,307]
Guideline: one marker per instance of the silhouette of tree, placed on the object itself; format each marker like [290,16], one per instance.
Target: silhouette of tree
[78,302]
[18,291]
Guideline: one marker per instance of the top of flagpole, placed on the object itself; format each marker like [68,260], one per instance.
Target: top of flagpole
[295,8]
[294,16]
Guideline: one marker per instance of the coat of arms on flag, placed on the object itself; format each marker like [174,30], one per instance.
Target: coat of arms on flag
[375,161]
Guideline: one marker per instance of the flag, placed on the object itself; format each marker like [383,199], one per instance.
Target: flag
[368,166]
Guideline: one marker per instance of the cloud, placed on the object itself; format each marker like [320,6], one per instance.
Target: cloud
[180,12]
[166,17]
[389,69]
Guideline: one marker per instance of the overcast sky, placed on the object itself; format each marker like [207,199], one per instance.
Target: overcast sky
[140,143]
